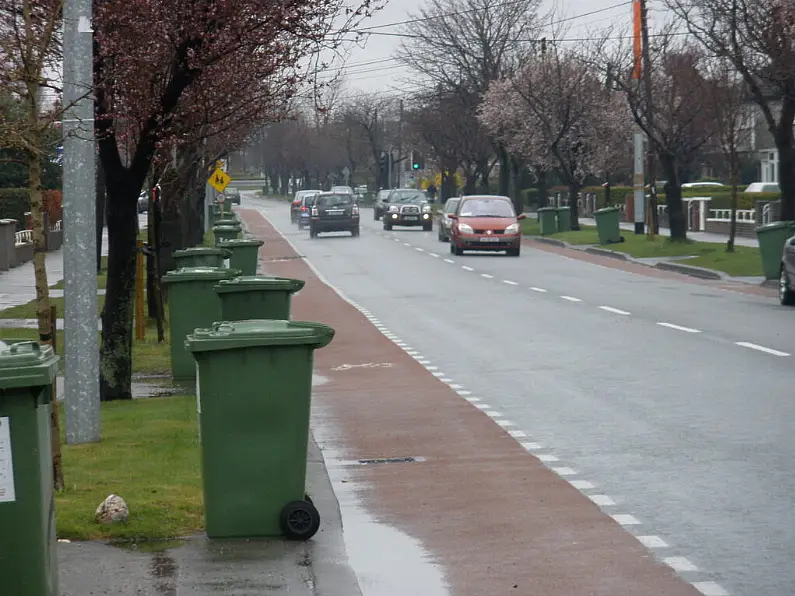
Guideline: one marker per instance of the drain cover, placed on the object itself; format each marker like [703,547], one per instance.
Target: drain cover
[392,460]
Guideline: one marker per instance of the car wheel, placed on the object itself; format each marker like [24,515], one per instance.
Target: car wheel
[375,214]
[786,294]
[312,232]
[388,226]
[514,252]
[355,232]
[427,227]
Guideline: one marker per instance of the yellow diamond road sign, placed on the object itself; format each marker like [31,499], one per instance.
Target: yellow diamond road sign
[219,180]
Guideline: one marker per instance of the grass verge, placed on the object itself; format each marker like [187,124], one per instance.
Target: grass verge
[744,261]
[28,310]
[149,455]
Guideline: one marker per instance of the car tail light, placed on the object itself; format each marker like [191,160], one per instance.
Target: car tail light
[314,211]
[303,209]
[355,210]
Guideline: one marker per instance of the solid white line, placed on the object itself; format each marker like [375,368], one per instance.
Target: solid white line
[710,589]
[541,290]
[581,484]
[679,564]
[679,328]
[434,255]
[652,541]
[571,298]
[602,500]
[626,520]
[509,282]
[758,348]
[449,261]
[487,276]
[466,268]
[615,310]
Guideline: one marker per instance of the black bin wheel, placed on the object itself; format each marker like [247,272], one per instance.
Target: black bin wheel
[299,520]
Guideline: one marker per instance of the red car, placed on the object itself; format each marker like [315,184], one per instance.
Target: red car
[486,223]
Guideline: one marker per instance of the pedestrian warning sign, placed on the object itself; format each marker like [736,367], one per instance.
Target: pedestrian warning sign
[219,180]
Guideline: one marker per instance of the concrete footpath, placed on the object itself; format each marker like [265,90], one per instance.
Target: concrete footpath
[196,566]
[426,478]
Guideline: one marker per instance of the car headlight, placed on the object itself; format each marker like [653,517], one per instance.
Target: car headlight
[465,228]
[393,208]
[512,229]
[394,216]
[426,208]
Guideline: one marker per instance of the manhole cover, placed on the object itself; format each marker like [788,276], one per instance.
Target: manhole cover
[392,460]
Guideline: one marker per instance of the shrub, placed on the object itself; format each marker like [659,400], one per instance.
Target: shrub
[14,203]
[723,200]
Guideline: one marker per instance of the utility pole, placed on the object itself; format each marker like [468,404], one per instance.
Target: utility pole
[651,162]
[639,211]
[81,343]
[401,160]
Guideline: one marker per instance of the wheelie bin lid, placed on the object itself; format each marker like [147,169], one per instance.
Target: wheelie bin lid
[199,274]
[775,225]
[253,283]
[201,250]
[239,242]
[235,228]
[27,364]
[606,210]
[546,209]
[227,221]
[562,209]
[258,332]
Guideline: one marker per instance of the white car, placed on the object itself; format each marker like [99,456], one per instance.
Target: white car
[703,185]
[343,190]
[763,187]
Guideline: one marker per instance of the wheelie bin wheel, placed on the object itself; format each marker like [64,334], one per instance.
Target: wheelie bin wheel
[299,520]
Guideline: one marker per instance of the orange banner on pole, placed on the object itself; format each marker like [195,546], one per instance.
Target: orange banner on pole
[638,43]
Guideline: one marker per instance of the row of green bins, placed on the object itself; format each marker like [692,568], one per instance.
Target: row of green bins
[256,297]
[28,557]
[255,430]
[772,238]
[229,221]
[564,219]
[608,225]
[245,254]
[547,217]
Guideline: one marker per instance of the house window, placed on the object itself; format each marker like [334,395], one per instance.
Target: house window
[770,166]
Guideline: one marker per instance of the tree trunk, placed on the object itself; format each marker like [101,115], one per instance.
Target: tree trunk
[542,188]
[470,180]
[505,170]
[100,196]
[608,195]
[677,222]
[516,184]
[117,317]
[786,169]
[734,175]
[574,208]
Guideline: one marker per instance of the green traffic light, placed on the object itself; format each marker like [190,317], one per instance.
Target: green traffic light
[416,166]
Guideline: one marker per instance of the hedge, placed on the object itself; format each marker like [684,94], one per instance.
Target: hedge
[723,200]
[14,203]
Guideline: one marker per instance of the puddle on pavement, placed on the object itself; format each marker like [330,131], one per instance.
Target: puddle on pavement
[148,546]
[406,570]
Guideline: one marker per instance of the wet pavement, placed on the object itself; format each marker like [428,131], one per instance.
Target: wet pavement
[200,567]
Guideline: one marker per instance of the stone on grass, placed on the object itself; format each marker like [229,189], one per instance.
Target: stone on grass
[112,510]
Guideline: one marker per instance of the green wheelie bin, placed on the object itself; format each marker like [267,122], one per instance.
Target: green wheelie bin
[547,217]
[244,254]
[607,225]
[224,233]
[564,219]
[253,388]
[216,212]
[192,303]
[772,238]
[228,220]
[28,557]
[256,297]
[202,256]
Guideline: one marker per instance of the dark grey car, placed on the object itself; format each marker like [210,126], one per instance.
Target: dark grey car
[334,212]
[786,286]
[444,219]
[408,207]
[381,203]
[232,195]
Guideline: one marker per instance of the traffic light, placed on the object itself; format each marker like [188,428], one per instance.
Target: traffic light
[417,161]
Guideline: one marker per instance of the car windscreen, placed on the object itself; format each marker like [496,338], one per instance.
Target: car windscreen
[451,206]
[309,200]
[486,208]
[407,197]
[341,200]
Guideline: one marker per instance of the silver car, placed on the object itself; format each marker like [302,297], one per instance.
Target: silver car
[786,286]
[444,219]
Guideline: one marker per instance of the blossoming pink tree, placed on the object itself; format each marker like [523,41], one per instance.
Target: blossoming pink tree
[186,69]
[556,113]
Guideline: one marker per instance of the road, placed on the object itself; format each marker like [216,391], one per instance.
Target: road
[670,403]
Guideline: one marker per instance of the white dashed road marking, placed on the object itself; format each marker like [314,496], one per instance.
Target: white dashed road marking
[545,457]
[652,541]
[418,249]
[626,520]
[509,282]
[532,446]
[517,434]
[679,564]
[434,255]
[566,472]
[710,589]
[602,500]
[487,276]
[465,268]
[449,261]
[615,311]
[758,348]
[581,484]
[679,328]
[571,298]
[539,290]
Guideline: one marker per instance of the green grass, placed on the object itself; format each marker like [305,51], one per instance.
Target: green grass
[745,261]
[149,455]
[102,277]
[28,310]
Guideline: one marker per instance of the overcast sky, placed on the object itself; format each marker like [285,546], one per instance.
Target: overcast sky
[374,69]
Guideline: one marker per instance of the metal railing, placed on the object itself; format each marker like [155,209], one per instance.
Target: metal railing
[767,213]
[56,227]
[24,237]
[743,215]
